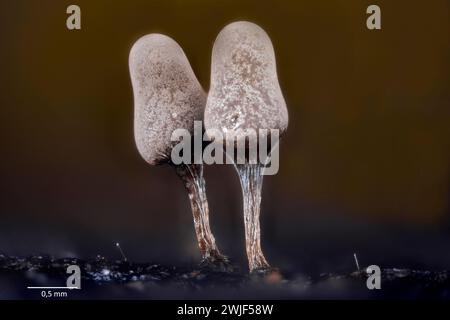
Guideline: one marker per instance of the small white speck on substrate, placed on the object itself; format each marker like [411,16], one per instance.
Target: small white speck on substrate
[106,272]
[174,115]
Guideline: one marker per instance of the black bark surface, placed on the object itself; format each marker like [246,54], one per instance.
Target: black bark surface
[104,279]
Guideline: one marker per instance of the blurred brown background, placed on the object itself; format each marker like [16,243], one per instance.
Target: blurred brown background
[366,154]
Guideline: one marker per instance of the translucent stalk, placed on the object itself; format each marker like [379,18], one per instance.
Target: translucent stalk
[251,178]
[192,176]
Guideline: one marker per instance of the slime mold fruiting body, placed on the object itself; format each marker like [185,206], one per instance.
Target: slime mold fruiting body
[245,95]
[168,96]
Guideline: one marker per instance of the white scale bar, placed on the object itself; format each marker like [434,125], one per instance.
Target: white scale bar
[41,288]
